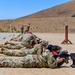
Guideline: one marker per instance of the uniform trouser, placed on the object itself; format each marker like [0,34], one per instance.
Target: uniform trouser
[19,53]
[16,46]
[29,61]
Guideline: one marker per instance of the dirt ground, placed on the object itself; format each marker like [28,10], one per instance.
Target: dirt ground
[53,38]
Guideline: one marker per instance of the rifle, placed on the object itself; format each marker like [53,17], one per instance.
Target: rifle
[64,54]
[72,55]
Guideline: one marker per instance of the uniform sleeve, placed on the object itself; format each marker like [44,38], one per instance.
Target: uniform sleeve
[39,50]
[52,63]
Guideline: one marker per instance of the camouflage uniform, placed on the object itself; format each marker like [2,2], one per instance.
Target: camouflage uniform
[38,49]
[22,29]
[22,52]
[12,63]
[24,43]
[13,46]
[18,38]
[27,28]
[14,39]
[45,60]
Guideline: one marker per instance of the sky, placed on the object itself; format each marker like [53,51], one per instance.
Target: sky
[12,9]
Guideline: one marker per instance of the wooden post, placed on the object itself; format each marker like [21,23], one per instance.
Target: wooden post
[66,41]
[10,28]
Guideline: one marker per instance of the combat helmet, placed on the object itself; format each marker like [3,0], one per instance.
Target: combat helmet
[44,42]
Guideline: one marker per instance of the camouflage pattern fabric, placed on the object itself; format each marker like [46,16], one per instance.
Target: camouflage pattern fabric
[19,53]
[27,27]
[38,49]
[27,37]
[13,46]
[16,38]
[51,61]
[31,61]
[22,52]
[24,43]
[12,63]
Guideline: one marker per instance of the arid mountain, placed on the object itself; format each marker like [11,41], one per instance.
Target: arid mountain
[50,20]
[63,10]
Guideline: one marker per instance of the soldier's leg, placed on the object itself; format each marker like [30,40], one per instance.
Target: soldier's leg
[9,52]
[19,53]
[11,43]
[7,46]
[15,39]
[11,63]
[4,62]
[16,46]
[25,62]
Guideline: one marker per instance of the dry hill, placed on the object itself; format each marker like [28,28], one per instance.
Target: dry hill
[40,24]
[63,10]
[50,20]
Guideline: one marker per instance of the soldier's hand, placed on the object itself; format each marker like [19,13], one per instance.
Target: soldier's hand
[61,59]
